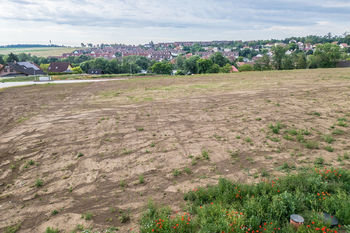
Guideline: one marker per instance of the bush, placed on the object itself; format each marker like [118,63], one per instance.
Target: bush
[245,67]
[265,206]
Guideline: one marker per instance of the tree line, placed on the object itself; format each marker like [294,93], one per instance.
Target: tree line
[325,56]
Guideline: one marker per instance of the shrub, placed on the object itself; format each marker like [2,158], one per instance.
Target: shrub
[265,206]
[245,67]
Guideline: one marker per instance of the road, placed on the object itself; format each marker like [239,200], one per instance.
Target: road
[28,83]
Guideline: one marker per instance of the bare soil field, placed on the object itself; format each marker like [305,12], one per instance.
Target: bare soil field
[105,149]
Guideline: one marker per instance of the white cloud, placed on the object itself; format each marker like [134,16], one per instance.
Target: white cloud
[139,21]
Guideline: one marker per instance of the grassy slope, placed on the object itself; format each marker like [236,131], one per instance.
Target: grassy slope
[38,51]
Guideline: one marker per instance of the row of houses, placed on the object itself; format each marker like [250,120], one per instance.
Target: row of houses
[28,68]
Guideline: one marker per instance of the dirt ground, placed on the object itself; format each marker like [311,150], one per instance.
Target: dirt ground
[108,148]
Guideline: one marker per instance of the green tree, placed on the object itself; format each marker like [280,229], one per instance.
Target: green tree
[300,61]
[226,68]
[11,58]
[313,61]
[287,62]
[190,65]
[204,65]
[45,67]
[218,58]
[263,63]
[215,68]
[77,70]
[143,62]
[162,68]
[279,53]
[2,60]
[23,57]
[328,55]
[179,63]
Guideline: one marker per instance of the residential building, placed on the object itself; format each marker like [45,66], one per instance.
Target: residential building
[60,67]
[20,69]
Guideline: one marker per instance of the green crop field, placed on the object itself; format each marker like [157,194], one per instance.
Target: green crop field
[38,51]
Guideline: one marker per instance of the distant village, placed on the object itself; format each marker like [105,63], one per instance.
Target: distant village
[170,51]
[238,55]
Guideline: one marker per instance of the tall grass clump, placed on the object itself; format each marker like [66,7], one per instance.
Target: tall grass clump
[262,207]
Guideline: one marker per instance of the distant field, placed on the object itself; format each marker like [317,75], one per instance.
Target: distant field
[38,51]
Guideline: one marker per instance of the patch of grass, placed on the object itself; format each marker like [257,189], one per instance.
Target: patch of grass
[217,137]
[238,137]
[300,138]
[276,128]
[87,216]
[328,138]
[39,183]
[264,173]
[187,171]
[274,139]
[346,156]
[54,212]
[233,154]
[80,154]
[13,229]
[52,230]
[22,119]
[124,218]
[176,172]
[337,132]
[311,144]
[319,161]
[288,137]
[31,162]
[292,131]
[248,139]
[342,123]
[140,129]
[126,151]
[12,167]
[122,183]
[141,179]
[329,148]
[315,114]
[153,144]
[205,154]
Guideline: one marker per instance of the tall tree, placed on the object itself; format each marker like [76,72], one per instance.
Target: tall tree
[204,65]
[12,58]
[191,65]
[263,63]
[328,54]
[279,53]
[218,58]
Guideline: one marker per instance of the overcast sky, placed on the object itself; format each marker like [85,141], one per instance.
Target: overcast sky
[71,22]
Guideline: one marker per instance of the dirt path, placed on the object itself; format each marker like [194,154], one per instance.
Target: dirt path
[108,148]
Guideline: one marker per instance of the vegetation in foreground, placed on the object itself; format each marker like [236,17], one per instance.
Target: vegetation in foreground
[262,207]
